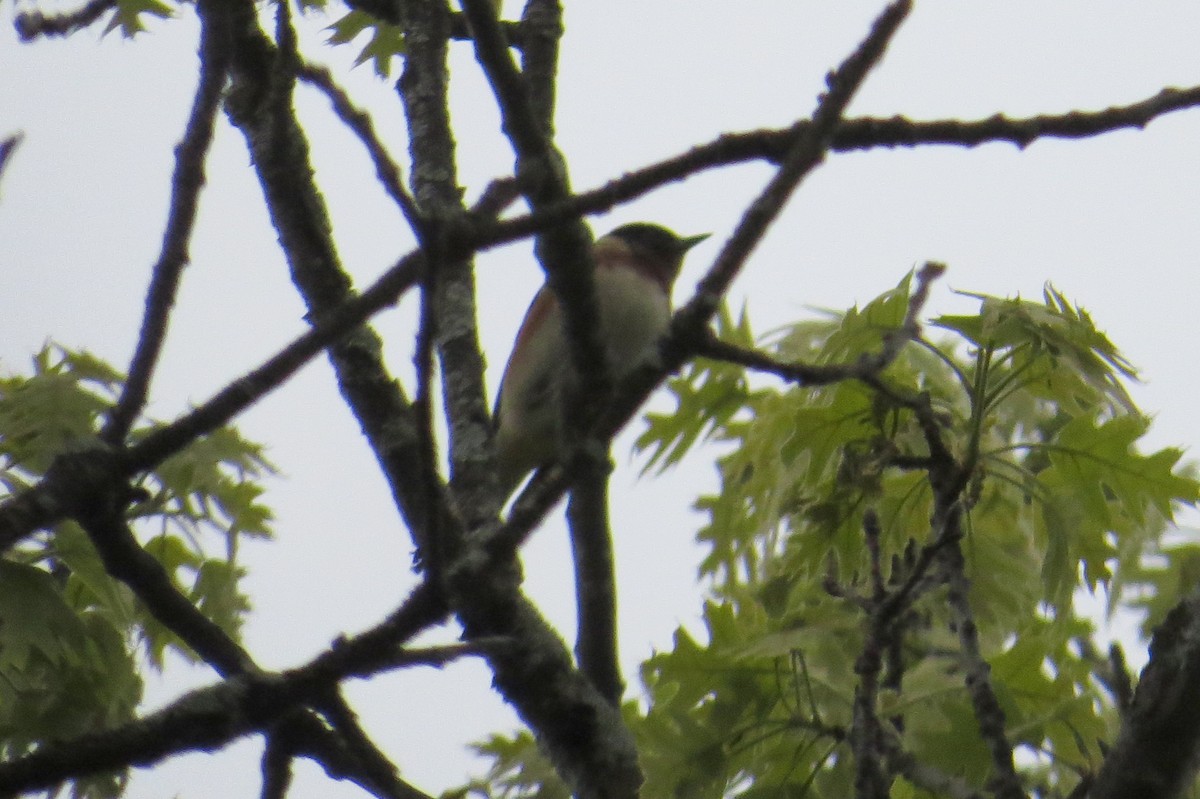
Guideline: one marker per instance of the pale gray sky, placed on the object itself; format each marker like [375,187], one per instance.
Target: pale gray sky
[1112,221]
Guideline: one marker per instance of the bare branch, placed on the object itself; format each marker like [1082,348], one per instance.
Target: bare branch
[1156,752]
[186,184]
[805,152]
[866,732]
[260,106]
[542,30]
[596,646]
[33,24]
[449,302]
[862,134]
[276,768]
[212,717]
[125,560]
[8,146]
[852,135]
[359,122]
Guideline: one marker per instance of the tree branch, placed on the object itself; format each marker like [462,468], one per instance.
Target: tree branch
[359,122]
[31,25]
[597,758]
[449,300]
[853,135]
[8,146]
[1156,752]
[989,716]
[806,150]
[866,732]
[250,702]
[124,559]
[542,30]
[186,184]
[596,646]
[259,105]
[128,562]
[867,367]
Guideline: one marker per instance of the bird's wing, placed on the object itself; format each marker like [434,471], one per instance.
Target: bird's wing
[536,314]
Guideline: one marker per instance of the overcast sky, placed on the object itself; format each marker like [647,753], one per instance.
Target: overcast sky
[1114,222]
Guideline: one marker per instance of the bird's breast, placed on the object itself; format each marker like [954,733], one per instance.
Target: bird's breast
[634,312]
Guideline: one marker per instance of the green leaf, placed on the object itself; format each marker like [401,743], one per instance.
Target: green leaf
[1056,497]
[34,620]
[386,42]
[129,13]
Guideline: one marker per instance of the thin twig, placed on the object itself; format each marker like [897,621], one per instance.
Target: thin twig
[8,146]
[371,761]
[867,367]
[542,30]
[32,24]
[854,135]
[186,184]
[359,122]
[805,153]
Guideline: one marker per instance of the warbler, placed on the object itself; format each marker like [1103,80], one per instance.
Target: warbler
[636,266]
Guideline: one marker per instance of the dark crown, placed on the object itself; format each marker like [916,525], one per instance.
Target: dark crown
[653,241]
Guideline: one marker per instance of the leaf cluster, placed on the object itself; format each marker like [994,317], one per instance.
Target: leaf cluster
[1030,398]
[71,634]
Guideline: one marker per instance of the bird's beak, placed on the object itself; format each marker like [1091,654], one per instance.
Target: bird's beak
[691,241]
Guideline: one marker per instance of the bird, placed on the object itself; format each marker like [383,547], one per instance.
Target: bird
[636,266]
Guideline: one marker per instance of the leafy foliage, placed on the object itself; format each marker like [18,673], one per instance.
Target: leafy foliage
[1030,397]
[385,43]
[518,769]
[129,15]
[69,633]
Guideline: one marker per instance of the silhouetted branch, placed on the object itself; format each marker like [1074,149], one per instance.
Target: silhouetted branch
[8,146]
[33,24]
[359,122]
[1155,753]
[276,768]
[250,702]
[853,135]
[128,562]
[806,150]
[596,646]
[186,184]
[260,106]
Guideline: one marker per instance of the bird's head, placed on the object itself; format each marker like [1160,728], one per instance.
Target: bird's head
[653,250]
